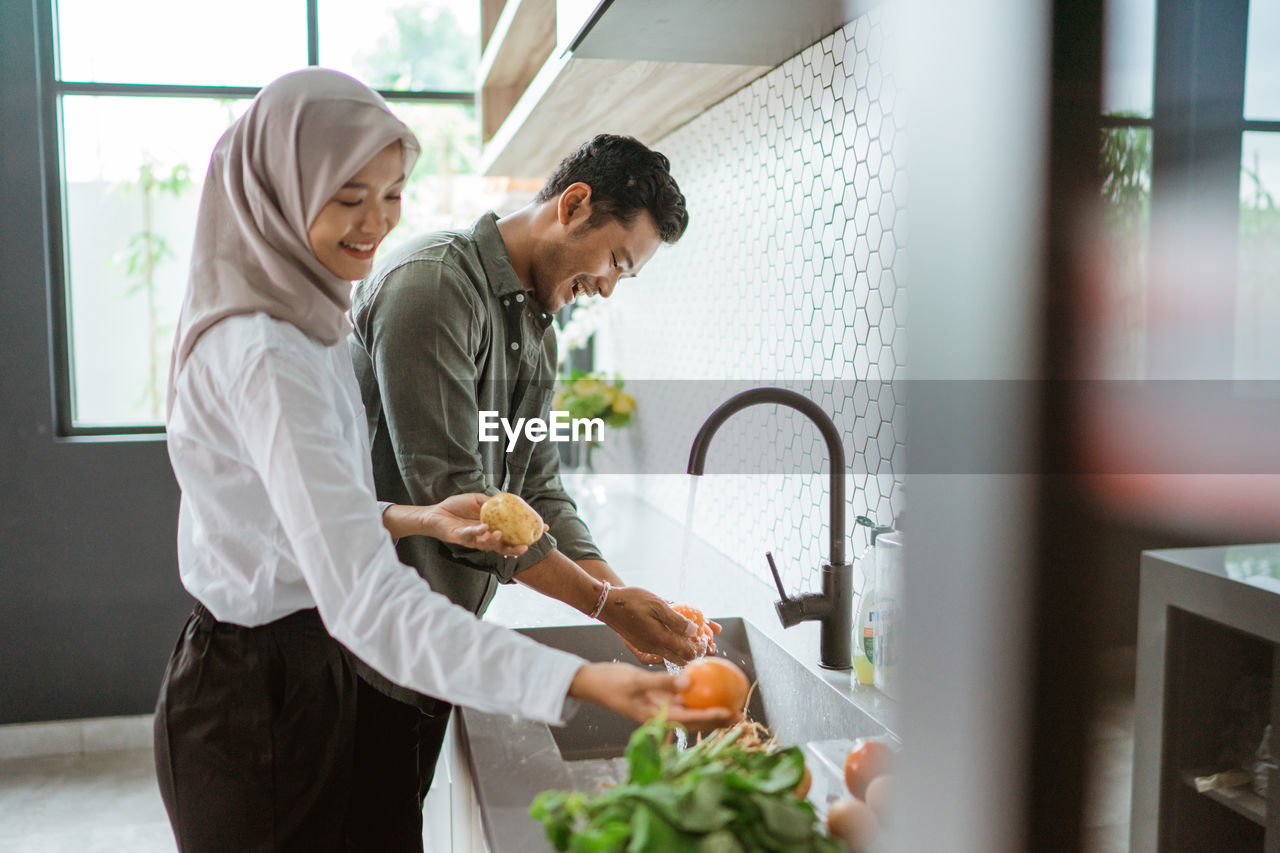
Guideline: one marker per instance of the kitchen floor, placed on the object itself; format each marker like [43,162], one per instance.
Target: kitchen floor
[105,802]
[95,802]
[108,802]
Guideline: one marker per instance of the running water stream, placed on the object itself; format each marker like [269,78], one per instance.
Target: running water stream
[682,585]
[682,740]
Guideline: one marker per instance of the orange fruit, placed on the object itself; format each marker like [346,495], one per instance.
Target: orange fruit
[806,782]
[866,760]
[704,639]
[715,683]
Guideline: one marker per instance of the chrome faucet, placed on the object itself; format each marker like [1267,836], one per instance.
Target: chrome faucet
[834,606]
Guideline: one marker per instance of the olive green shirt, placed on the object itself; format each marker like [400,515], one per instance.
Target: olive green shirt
[443,330]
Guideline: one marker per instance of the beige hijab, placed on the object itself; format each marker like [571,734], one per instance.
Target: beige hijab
[302,138]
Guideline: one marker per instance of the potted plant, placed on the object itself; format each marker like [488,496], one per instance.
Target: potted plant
[592,395]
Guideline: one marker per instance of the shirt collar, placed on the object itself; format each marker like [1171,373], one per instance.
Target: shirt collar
[503,280]
[502,277]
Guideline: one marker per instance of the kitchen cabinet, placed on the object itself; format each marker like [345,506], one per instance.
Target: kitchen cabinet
[1207,681]
[554,74]
[451,812]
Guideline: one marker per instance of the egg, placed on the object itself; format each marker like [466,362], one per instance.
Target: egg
[853,822]
[880,796]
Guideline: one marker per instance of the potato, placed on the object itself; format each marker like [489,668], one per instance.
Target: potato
[519,523]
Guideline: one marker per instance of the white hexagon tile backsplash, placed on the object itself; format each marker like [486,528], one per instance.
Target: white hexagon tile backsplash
[790,272]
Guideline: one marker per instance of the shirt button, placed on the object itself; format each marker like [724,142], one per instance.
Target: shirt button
[506,302]
[519,297]
[515,345]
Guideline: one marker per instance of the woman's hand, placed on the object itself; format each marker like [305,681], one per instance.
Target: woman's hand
[640,695]
[457,520]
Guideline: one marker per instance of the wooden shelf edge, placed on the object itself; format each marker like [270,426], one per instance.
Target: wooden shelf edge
[489,12]
[518,18]
[1244,802]
[570,100]
[501,142]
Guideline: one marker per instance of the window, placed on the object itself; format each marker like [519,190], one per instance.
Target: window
[1257,350]
[138,92]
[1129,58]
[1191,137]
[1127,106]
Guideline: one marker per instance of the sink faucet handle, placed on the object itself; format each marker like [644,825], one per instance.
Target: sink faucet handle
[790,610]
[777,579]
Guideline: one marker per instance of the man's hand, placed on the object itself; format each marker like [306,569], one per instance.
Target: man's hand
[457,520]
[601,571]
[645,657]
[641,695]
[645,623]
[649,627]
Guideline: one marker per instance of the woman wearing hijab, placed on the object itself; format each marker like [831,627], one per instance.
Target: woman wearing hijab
[280,538]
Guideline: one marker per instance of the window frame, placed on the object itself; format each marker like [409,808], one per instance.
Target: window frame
[50,91]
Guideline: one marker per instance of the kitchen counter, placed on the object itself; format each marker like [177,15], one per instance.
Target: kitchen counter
[1208,658]
[646,547]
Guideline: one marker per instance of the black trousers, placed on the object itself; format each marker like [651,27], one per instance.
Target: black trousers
[258,746]
[430,740]
[397,747]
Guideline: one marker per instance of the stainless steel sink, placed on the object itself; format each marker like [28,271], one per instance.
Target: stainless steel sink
[513,759]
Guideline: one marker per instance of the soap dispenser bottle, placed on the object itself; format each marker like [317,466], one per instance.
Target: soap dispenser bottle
[864,620]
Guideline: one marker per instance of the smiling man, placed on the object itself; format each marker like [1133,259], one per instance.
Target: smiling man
[456,323]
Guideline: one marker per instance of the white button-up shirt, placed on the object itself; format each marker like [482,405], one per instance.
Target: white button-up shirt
[267,437]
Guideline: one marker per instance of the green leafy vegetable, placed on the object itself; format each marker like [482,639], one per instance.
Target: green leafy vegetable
[726,794]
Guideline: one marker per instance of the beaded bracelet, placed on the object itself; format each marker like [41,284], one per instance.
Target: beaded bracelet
[604,595]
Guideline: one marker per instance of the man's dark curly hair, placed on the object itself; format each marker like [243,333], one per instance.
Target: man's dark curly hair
[625,178]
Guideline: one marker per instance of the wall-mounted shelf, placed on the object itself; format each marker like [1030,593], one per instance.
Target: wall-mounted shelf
[727,32]
[639,67]
[571,100]
[522,39]
[1242,801]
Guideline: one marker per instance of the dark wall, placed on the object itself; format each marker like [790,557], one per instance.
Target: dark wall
[90,602]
